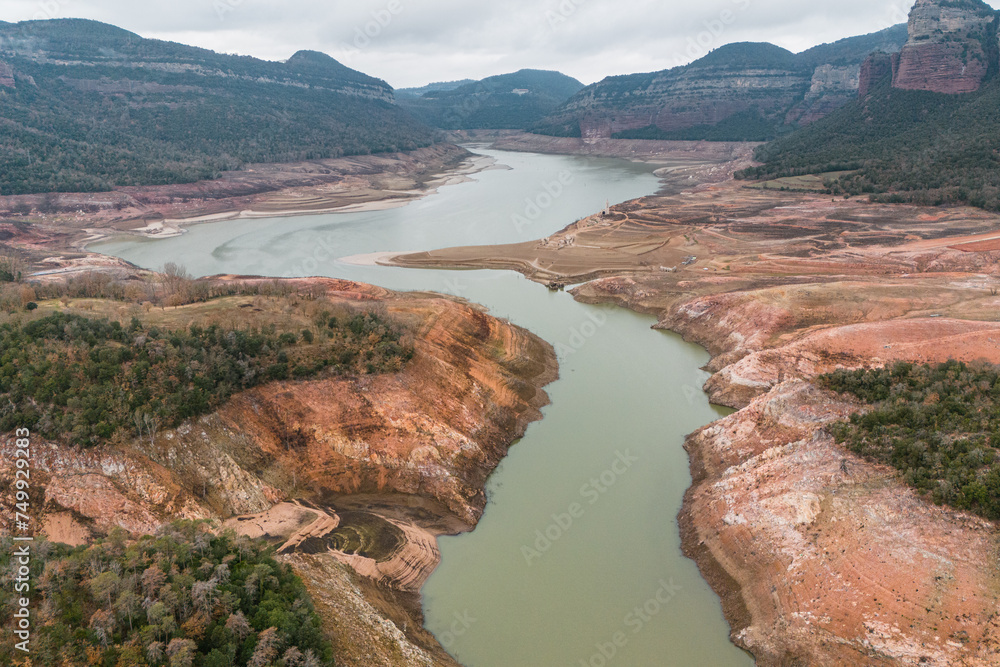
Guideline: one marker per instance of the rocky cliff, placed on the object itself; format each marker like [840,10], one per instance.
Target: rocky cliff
[92,51]
[747,87]
[950,46]
[876,67]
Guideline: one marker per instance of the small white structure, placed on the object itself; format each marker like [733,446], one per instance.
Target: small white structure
[520,91]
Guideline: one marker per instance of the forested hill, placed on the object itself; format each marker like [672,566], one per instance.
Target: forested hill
[86,106]
[925,127]
[513,101]
[901,146]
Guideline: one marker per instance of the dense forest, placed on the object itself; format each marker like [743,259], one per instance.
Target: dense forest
[95,107]
[82,380]
[185,597]
[80,377]
[901,146]
[938,425]
[492,102]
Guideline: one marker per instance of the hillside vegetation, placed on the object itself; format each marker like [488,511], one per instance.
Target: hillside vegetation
[938,425]
[90,364]
[182,598]
[903,145]
[492,104]
[94,107]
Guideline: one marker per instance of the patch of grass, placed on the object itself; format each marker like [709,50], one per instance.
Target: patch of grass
[804,183]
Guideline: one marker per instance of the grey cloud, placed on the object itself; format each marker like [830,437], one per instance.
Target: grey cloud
[412,42]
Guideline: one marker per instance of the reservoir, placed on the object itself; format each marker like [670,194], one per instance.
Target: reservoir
[577,559]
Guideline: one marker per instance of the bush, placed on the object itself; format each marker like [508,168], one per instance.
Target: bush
[938,425]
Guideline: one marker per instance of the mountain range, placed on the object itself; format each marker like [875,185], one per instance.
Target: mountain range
[742,91]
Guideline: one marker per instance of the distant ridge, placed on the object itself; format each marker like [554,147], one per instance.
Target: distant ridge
[743,91]
[413,93]
[514,101]
[88,106]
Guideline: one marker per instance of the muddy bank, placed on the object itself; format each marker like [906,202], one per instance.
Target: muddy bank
[50,232]
[820,557]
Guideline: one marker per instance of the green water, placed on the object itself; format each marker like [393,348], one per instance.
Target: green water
[577,559]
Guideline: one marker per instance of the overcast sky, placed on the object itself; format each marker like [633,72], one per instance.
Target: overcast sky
[414,42]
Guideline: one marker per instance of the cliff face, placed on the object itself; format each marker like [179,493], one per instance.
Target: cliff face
[763,79]
[831,87]
[722,84]
[949,47]
[82,48]
[876,67]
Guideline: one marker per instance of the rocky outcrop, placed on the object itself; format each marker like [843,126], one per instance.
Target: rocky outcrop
[858,554]
[877,67]
[703,93]
[831,88]
[6,75]
[949,48]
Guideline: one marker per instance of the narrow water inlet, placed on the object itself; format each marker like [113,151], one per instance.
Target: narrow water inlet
[577,559]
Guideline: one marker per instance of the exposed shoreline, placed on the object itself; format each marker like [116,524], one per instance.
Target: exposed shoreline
[53,237]
[780,288]
[171,227]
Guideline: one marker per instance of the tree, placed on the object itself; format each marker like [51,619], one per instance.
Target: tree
[155,651]
[128,605]
[102,622]
[104,586]
[153,579]
[237,624]
[181,652]
[268,644]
